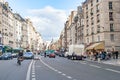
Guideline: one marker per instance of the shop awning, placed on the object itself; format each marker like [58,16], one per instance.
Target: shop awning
[96,46]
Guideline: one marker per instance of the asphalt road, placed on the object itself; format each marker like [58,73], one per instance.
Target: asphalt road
[57,69]
[64,69]
[10,70]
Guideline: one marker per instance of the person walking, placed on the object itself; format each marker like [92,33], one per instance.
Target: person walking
[116,54]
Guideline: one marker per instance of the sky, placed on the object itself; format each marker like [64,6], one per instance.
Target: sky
[48,16]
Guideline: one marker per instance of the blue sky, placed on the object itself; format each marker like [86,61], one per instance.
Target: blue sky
[48,16]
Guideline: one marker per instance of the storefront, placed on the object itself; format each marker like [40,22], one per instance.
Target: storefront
[96,46]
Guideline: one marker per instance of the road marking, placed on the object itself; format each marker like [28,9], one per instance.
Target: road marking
[112,70]
[33,73]
[28,72]
[59,72]
[74,79]
[64,74]
[33,78]
[95,66]
[83,63]
[69,77]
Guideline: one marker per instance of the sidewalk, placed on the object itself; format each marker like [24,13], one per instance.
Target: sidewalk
[115,62]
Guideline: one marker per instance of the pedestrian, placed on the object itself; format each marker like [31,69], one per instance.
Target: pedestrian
[116,54]
[44,54]
[113,54]
[99,56]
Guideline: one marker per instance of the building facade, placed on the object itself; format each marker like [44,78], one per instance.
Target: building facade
[102,22]
[17,32]
[6,25]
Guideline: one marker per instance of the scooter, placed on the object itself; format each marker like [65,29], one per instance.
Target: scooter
[19,60]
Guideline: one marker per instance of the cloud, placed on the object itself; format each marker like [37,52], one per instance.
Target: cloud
[48,21]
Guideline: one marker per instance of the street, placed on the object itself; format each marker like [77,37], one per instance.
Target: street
[57,69]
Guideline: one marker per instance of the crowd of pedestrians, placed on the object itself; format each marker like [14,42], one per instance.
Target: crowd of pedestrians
[103,55]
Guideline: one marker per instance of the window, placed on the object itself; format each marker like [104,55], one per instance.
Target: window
[87,23]
[98,29]
[111,27]
[86,32]
[92,38]
[91,12]
[97,0]
[111,16]
[87,40]
[112,37]
[97,8]
[98,18]
[92,30]
[86,7]
[98,38]
[110,6]
[92,21]
[86,14]
[91,2]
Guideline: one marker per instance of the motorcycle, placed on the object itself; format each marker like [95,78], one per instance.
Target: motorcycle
[19,60]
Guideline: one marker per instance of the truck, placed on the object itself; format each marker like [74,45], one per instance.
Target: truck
[76,52]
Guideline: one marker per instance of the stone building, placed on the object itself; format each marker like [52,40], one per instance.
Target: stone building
[6,24]
[102,24]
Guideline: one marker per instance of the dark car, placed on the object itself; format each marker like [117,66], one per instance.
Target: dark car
[28,55]
[6,56]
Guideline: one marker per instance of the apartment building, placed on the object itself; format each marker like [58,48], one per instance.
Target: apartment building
[31,35]
[80,25]
[39,43]
[18,30]
[24,37]
[102,24]
[6,24]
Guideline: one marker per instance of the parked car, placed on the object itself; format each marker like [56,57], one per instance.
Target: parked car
[6,56]
[14,55]
[28,55]
[52,55]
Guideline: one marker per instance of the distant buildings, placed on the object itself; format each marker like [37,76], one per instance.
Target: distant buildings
[17,32]
[96,24]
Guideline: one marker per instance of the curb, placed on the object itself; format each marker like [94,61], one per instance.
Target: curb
[103,62]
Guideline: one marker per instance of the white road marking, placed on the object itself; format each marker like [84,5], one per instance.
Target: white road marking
[59,72]
[69,77]
[74,79]
[112,70]
[28,72]
[33,78]
[95,66]
[33,73]
[64,74]
[83,63]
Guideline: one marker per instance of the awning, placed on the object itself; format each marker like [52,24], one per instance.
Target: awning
[96,46]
